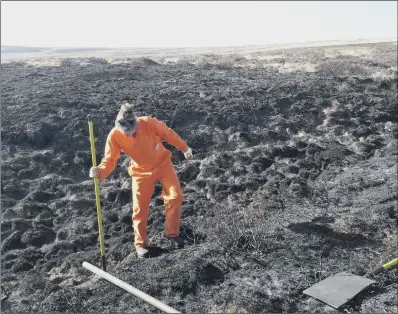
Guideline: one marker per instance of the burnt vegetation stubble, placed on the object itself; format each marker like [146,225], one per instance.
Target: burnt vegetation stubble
[294,179]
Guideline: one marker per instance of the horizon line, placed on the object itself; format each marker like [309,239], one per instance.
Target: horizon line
[386,39]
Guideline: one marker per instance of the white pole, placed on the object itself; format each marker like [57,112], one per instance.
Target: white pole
[138,293]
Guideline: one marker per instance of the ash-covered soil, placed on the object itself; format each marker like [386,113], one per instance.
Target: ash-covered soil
[294,179]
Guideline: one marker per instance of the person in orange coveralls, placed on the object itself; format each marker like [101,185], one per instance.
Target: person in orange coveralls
[141,139]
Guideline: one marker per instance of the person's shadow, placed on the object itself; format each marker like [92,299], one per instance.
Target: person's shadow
[155,251]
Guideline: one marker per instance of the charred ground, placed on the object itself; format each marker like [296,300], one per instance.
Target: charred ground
[294,179]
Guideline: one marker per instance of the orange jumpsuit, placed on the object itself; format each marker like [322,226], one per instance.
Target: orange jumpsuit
[151,162]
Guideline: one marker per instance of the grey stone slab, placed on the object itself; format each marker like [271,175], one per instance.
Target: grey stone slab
[338,289]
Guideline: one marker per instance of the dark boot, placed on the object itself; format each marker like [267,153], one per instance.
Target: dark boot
[176,242]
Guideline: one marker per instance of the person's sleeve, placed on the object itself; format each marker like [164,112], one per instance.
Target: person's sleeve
[112,154]
[167,134]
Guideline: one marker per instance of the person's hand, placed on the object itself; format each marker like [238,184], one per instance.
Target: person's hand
[188,154]
[95,172]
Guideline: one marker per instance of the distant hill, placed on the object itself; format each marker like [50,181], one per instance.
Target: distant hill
[15,49]
[9,49]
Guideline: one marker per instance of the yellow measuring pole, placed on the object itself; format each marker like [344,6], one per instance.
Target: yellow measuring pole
[391,263]
[97,195]
[386,266]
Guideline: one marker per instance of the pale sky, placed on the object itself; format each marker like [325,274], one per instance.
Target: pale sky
[192,24]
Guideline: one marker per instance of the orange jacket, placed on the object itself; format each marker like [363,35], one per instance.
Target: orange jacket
[145,148]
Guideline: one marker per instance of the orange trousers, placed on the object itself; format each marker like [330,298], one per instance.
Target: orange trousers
[143,188]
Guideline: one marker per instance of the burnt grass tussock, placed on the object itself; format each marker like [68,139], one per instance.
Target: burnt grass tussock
[294,179]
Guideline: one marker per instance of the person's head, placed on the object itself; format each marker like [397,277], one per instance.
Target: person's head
[126,121]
